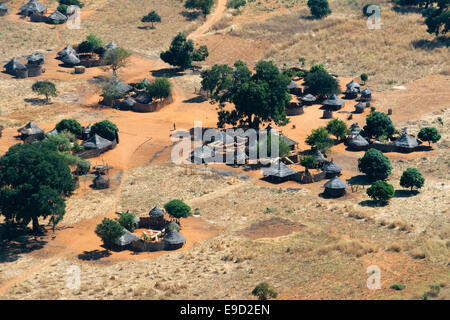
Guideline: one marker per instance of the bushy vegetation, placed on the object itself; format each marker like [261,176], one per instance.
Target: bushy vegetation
[45,88]
[115,59]
[381,191]
[152,17]
[128,221]
[283,148]
[429,134]
[202,5]
[113,89]
[181,52]
[309,162]
[321,84]
[319,8]
[92,44]
[236,4]
[160,88]
[375,165]
[378,124]
[320,139]
[105,129]
[70,125]
[109,230]
[177,209]
[412,178]
[337,128]
[264,292]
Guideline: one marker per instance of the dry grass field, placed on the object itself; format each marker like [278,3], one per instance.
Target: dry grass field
[246,230]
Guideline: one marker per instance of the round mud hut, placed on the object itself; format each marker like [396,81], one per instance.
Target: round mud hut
[278,172]
[331,169]
[359,107]
[352,85]
[308,99]
[335,188]
[57,17]
[358,143]
[333,103]
[125,241]
[351,93]
[127,104]
[33,8]
[173,240]
[67,50]
[366,95]
[100,182]
[70,60]
[318,156]
[3,9]
[406,143]
[156,218]
[15,68]
[35,59]
[294,88]
[31,132]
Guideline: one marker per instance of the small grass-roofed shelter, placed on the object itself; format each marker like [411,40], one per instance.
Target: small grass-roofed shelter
[308,99]
[127,104]
[355,129]
[333,103]
[155,219]
[358,143]
[335,188]
[278,172]
[351,93]
[294,88]
[14,67]
[33,7]
[353,85]
[30,132]
[57,16]
[71,60]
[173,240]
[359,107]
[3,9]
[366,95]
[96,145]
[67,50]
[331,169]
[125,240]
[406,143]
[100,182]
[87,132]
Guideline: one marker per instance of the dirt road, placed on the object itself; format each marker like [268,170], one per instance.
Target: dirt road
[210,20]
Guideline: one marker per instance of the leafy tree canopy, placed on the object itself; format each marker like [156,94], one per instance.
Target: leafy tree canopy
[320,139]
[160,88]
[92,44]
[309,162]
[109,230]
[283,149]
[412,178]
[115,58]
[263,291]
[45,88]
[319,8]
[375,165]
[181,52]
[379,124]
[177,209]
[381,191]
[70,125]
[338,128]
[128,221]
[203,5]
[105,129]
[152,17]
[430,134]
[321,84]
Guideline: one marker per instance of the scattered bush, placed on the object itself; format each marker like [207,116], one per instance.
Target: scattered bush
[320,139]
[381,191]
[338,128]
[160,88]
[319,8]
[430,134]
[375,165]
[236,4]
[105,129]
[264,292]
[398,286]
[128,221]
[45,88]
[379,124]
[177,209]
[109,230]
[412,178]
[70,125]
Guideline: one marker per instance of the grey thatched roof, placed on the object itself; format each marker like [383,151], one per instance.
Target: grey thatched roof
[36,57]
[406,141]
[96,142]
[318,155]
[67,50]
[293,85]
[353,85]
[30,129]
[366,92]
[111,45]
[173,237]
[126,238]
[156,212]
[71,59]
[33,6]
[172,225]
[143,98]
[335,183]
[87,129]
[308,98]
[354,128]
[99,179]
[278,169]
[128,102]
[352,90]
[58,16]
[333,101]
[13,65]
[332,167]
[358,141]
[52,132]
[359,107]
[3,6]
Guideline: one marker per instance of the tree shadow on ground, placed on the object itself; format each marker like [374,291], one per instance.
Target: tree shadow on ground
[16,240]
[405,193]
[146,28]
[439,42]
[37,101]
[197,99]
[94,255]
[168,72]
[372,203]
[191,15]
[360,179]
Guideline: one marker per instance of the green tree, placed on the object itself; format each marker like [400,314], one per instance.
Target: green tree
[105,129]
[236,4]
[437,18]
[321,84]
[181,52]
[309,162]
[412,178]
[381,191]
[320,139]
[364,77]
[62,8]
[177,209]
[115,59]
[128,221]
[91,44]
[264,292]
[379,124]
[114,89]
[261,97]
[34,181]
[319,8]
[337,128]
[217,79]
[109,230]
[45,88]
[283,149]
[71,3]
[429,134]
[152,17]
[203,5]
[160,88]
[375,165]
[318,67]
[70,125]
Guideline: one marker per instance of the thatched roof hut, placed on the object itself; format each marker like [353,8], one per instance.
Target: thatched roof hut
[67,50]
[33,7]
[3,9]
[156,213]
[355,129]
[294,88]
[353,85]
[71,60]
[278,172]
[35,58]
[333,103]
[331,169]
[58,16]
[308,99]
[351,93]
[366,95]
[126,239]
[358,143]
[13,65]
[100,182]
[318,156]
[111,45]
[31,132]
[127,104]
[97,142]
[173,240]
[359,107]
[87,132]
[406,143]
[335,187]
[52,132]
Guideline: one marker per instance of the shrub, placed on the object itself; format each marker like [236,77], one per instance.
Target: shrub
[320,139]
[160,88]
[70,125]
[398,286]
[105,129]
[378,124]
[364,77]
[46,88]
[375,165]
[62,8]
[338,128]
[412,178]
[319,8]
[71,3]
[152,17]
[236,4]
[430,134]
[127,220]
[114,90]
[264,292]
[309,162]
[321,84]
[91,44]
[318,67]
[177,209]
[381,191]
[109,230]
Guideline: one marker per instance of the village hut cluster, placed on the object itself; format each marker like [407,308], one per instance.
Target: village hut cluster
[32,68]
[156,234]
[72,58]
[37,12]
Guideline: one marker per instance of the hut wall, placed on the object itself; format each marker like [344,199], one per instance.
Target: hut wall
[152,223]
[329,175]
[90,63]
[141,246]
[31,138]
[296,91]
[327,114]
[38,17]
[34,70]
[172,246]
[310,178]
[102,185]
[22,73]
[295,111]
[334,192]
[3,12]
[152,107]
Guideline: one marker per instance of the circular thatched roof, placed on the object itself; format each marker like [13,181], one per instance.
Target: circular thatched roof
[406,141]
[156,212]
[13,65]
[67,50]
[335,183]
[30,129]
[358,141]
[359,107]
[333,101]
[71,59]
[332,167]
[353,85]
[308,98]
[293,85]
[36,57]
[366,92]
[173,237]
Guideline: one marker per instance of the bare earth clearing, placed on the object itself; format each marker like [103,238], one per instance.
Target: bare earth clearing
[248,231]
